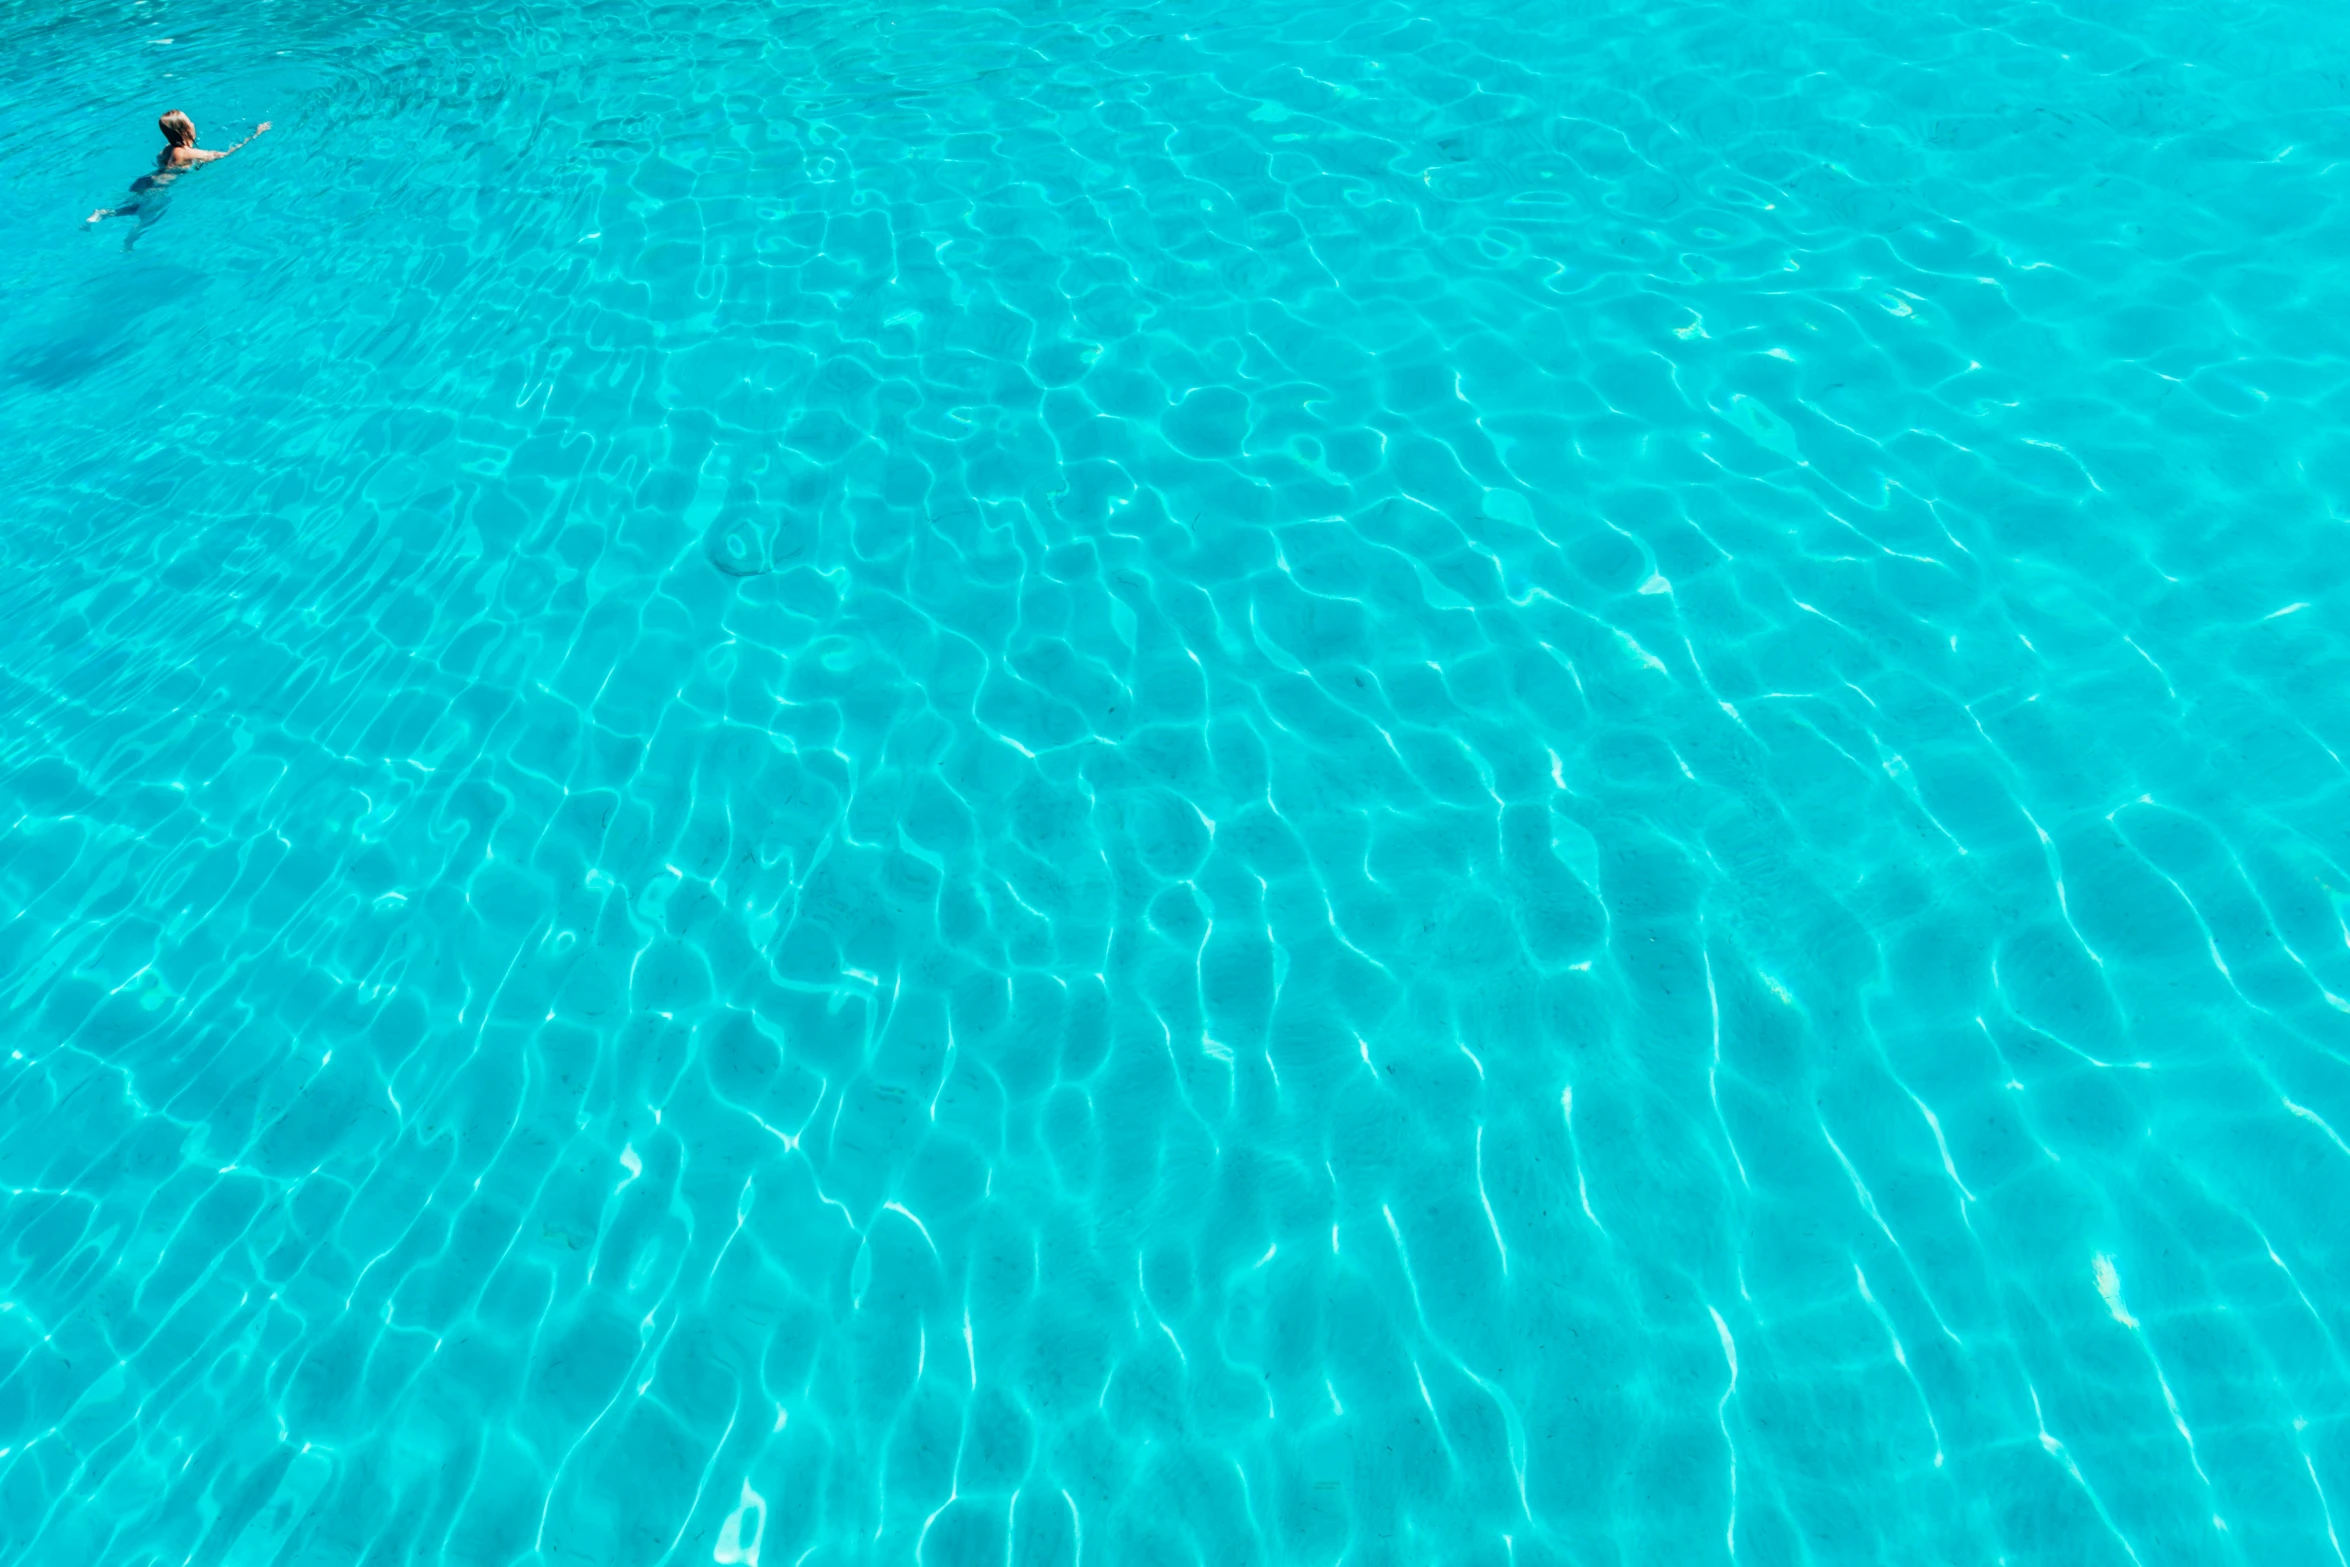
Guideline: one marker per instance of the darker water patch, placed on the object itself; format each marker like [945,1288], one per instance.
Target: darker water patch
[105,324]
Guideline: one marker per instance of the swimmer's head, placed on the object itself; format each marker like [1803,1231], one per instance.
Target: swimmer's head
[178,129]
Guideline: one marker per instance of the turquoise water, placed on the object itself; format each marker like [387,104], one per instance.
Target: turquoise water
[1516,784]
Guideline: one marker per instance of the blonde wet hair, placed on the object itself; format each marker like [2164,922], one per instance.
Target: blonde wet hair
[178,129]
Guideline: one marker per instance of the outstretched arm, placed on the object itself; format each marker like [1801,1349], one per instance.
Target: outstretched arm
[201,156]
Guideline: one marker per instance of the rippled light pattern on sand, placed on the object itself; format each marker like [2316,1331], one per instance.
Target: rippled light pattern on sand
[1235,783]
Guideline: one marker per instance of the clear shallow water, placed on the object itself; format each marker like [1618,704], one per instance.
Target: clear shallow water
[1230,784]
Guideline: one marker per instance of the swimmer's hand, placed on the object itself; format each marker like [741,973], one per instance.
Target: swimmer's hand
[257,130]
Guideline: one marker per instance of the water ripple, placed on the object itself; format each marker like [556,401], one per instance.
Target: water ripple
[1534,784]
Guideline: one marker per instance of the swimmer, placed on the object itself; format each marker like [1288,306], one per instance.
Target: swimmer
[180,153]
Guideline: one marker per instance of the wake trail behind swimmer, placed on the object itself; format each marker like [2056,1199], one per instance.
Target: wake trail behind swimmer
[150,193]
